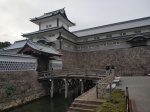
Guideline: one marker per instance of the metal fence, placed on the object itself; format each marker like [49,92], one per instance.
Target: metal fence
[127,99]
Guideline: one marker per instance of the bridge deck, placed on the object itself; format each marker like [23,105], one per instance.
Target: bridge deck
[71,77]
[72,74]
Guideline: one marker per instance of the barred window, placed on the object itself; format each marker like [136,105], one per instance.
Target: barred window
[116,43]
[122,34]
[108,36]
[14,66]
[137,32]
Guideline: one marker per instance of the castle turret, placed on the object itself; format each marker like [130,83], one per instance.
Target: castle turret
[53,19]
[52,26]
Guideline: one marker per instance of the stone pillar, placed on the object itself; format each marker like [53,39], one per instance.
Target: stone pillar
[52,88]
[82,86]
[66,88]
[110,87]
[113,71]
[107,70]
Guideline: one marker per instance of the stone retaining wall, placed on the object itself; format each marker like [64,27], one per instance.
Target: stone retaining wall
[69,59]
[19,87]
[127,61]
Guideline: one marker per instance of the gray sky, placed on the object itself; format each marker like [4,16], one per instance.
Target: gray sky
[15,14]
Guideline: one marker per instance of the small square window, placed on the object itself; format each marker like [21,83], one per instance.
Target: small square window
[108,36]
[116,43]
[102,45]
[122,34]
[48,26]
[137,32]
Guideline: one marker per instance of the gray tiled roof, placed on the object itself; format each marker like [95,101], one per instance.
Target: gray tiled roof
[114,27]
[16,45]
[60,11]
[42,48]
[36,46]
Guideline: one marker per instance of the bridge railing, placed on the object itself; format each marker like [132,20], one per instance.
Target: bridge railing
[101,86]
[99,73]
[127,99]
[85,72]
[44,73]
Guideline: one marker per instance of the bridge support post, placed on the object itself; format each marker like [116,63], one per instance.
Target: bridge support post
[52,88]
[82,86]
[110,87]
[66,88]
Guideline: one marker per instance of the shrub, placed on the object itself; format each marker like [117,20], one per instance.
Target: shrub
[10,89]
[115,102]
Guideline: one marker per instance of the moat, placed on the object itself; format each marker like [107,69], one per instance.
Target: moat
[46,104]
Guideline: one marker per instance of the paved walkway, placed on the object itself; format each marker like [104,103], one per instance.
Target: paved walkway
[139,91]
[89,96]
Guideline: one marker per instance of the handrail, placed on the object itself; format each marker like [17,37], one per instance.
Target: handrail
[44,73]
[102,84]
[71,73]
[127,99]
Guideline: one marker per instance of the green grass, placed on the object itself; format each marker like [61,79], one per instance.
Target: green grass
[115,102]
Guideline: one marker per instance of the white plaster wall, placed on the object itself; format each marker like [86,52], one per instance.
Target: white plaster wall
[115,34]
[69,38]
[96,47]
[145,30]
[53,23]
[56,64]
[17,59]
[63,24]
[56,61]
[53,38]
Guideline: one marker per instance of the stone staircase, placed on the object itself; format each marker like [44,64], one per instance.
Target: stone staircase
[84,106]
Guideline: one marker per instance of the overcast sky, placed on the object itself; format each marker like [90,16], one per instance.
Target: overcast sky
[15,14]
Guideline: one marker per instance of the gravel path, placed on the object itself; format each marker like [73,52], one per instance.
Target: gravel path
[139,91]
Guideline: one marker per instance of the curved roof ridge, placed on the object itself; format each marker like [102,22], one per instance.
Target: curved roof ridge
[30,42]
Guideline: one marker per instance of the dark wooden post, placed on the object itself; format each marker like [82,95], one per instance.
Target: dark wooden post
[66,88]
[52,88]
[110,87]
[97,90]
[127,100]
[82,86]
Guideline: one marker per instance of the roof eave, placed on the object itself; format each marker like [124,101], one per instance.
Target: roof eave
[27,35]
[35,20]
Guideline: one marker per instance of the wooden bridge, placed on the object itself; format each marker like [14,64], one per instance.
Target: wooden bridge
[67,78]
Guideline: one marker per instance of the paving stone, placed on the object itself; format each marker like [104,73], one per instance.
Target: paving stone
[139,91]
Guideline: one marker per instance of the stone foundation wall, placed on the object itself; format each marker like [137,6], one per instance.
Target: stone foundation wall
[127,61]
[19,87]
[69,59]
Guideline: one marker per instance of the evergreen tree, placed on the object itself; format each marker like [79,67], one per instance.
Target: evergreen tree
[4,44]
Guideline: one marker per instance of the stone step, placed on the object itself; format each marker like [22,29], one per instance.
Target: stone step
[85,106]
[77,109]
[89,102]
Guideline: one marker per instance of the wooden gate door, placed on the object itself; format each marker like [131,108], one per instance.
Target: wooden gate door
[43,65]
